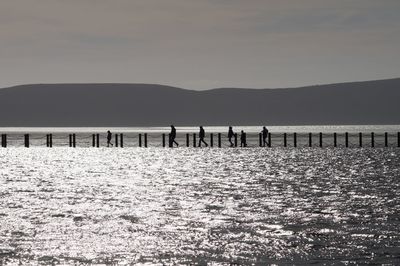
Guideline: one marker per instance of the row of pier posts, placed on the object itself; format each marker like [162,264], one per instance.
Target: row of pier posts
[335,144]
[143,140]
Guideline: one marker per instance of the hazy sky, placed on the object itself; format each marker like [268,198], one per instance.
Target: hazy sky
[199,44]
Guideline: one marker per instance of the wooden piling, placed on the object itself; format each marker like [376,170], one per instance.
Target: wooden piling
[219,140]
[386,139]
[269,140]
[116,140]
[235,136]
[163,140]
[334,140]
[398,139]
[93,140]
[260,139]
[320,139]
[295,139]
[194,140]
[4,140]
[140,141]
[26,140]
[211,140]
[347,139]
[47,140]
[187,140]
[121,140]
[284,140]
[360,139]
[145,140]
[51,140]
[372,139]
[309,140]
[97,140]
[74,140]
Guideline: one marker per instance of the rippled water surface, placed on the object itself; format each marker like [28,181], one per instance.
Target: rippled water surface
[179,206]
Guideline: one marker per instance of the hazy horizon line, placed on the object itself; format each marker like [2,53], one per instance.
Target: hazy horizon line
[209,89]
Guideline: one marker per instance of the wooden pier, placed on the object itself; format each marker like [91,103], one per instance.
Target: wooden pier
[217,140]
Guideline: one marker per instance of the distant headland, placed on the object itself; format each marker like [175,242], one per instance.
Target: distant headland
[368,102]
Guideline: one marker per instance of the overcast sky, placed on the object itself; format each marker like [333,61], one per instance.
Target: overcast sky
[199,44]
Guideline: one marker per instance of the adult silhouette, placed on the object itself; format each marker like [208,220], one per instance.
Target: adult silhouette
[202,134]
[230,136]
[109,137]
[172,136]
[243,139]
[264,135]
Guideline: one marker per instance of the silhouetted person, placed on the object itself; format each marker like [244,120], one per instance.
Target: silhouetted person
[202,134]
[264,135]
[243,139]
[172,137]
[109,136]
[230,136]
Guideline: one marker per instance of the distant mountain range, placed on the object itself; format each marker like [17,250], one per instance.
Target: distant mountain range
[369,102]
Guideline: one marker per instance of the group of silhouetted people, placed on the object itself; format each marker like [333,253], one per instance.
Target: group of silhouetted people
[202,134]
[231,134]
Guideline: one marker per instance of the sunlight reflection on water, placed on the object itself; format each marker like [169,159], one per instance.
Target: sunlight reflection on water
[199,205]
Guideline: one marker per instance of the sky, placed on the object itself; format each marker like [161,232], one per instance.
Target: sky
[199,44]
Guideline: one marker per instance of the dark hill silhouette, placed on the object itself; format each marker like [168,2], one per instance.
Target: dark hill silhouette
[369,102]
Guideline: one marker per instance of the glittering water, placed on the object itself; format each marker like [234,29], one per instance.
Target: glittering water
[179,206]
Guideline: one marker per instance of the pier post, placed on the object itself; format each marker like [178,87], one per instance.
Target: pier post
[295,139]
[70,140]
[51,140]
[334,140]
[145,140]
[98,140]
[347,139]
[74,140]
[116,140]
[211,140]
[398,139]
[187,140]
[219,140]
[235,139]
[269,140]
[360,139]
[320,139]
[194,140]
[140,141]
[163,140]
[47,140]
[386,139]
[284,140]
[372,139]
[309,140]
[4,140]
[26,142]
[121,140]
[260,139]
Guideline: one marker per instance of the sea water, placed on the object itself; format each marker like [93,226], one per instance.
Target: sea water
[199,205]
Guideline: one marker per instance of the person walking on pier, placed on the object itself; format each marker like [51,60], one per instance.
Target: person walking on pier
[109,136]
[264,136]
[172,137]
[202,134]
[230,136]
[243,139]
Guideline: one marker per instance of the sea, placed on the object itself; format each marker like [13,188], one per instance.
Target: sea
[200,206]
